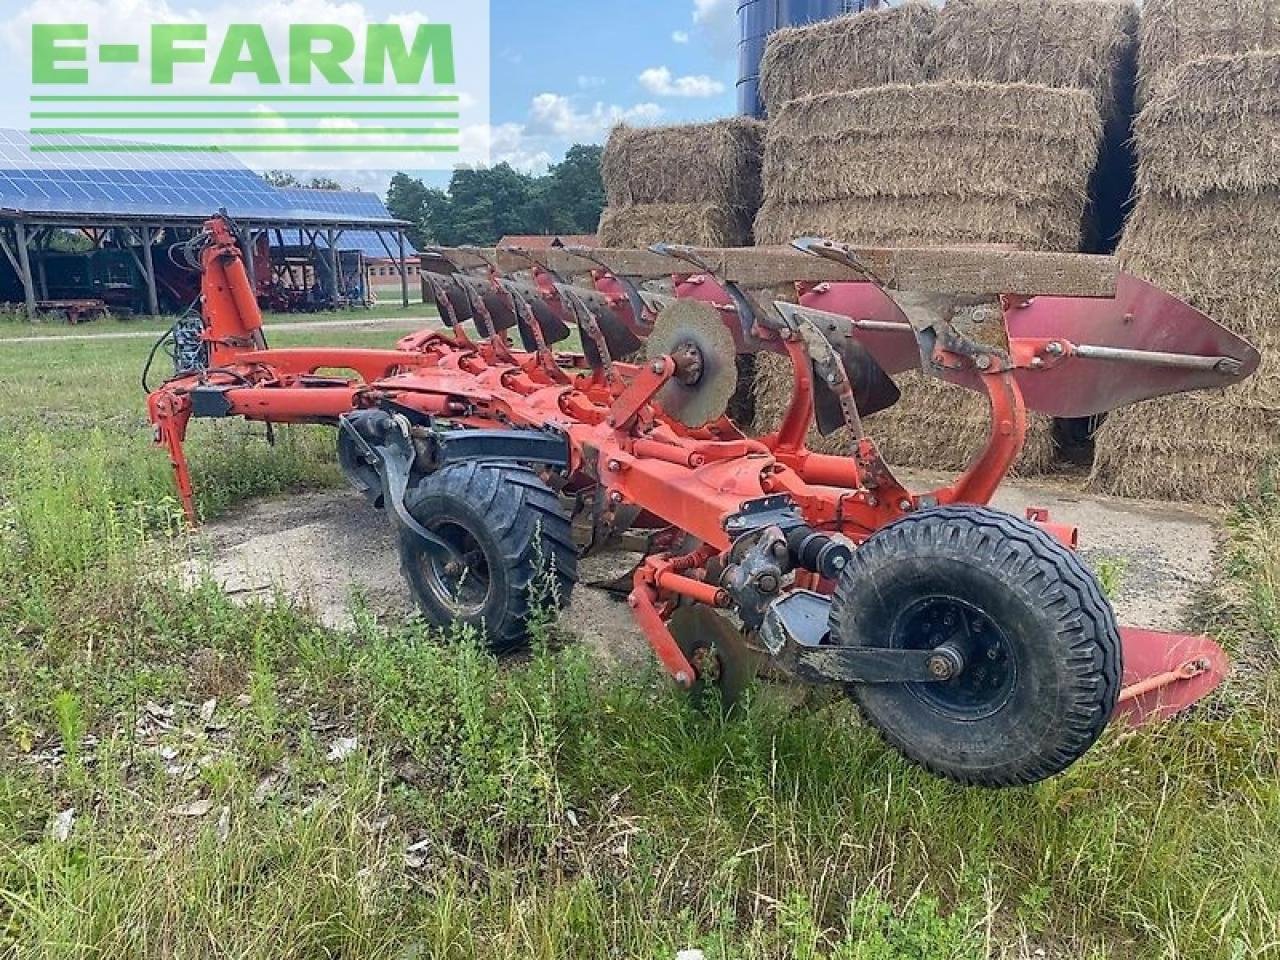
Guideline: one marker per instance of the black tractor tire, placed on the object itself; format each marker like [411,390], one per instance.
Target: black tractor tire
[517,540]
[1043,666]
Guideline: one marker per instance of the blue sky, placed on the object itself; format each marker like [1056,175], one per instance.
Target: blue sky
[564,71]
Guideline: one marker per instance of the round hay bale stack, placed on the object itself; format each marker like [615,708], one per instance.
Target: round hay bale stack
[861,50]
[696,224]
[1174,32]
[1085,44]
[717,163]
[1214,127]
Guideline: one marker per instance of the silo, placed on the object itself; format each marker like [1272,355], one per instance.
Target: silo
[759,18]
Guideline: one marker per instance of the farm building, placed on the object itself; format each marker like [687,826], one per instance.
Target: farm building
[85,229]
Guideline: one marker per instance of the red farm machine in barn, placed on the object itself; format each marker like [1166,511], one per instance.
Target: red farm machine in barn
[976,642]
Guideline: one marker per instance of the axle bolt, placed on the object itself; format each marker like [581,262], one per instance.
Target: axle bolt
[767,583]
[941,668]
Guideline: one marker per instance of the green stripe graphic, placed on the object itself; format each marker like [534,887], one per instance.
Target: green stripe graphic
[239,115]
[245,148]
[229,98]
[257,131]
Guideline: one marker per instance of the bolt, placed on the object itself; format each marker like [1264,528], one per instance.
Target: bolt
[767,583]
[614,466]
[1055,349]
[658,367]
[1037,362]
[839,562]
[993,653]
[832,378]
[941,668]
[904,504]
[983,362]
[682,678]
[615,497]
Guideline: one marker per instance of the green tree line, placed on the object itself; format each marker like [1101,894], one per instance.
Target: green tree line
[480,206]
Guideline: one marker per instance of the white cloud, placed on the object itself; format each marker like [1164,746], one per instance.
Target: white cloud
[680,36]
[586,82]
[553,114]
[717,23]
[660,82]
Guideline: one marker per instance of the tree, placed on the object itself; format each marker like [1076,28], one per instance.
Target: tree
[281,178]
[407,200]
[575,192]
[484,204]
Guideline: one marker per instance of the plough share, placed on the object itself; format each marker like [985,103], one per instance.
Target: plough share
[976,642]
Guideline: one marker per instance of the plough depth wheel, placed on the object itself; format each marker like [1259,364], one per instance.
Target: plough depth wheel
[1028,644]
[512,546]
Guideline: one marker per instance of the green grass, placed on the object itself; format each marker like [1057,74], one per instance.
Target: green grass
[15,324]
[537,808]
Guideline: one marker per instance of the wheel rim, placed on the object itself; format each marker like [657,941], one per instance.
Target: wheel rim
[460,583]
[990,673]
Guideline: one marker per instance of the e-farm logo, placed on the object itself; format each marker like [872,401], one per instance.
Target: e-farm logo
[341,91]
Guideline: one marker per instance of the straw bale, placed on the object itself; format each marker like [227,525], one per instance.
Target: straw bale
[1218,254]
[716,162]
[1174,32]
[1084,44]
[935,425]
[1010,141]
[925,221]
[1214,126]
[697,224]
[865,49]
[1204,448]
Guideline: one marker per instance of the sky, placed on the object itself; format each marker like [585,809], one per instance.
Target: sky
[565,72]
[561,71]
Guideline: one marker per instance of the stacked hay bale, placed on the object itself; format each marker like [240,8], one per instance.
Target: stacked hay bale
[937,163]
[1207,229]
[953,162]
[1081,44]
[863,50]
[1174,32]
[692,183]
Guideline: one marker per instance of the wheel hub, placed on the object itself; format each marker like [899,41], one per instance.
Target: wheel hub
[971,658]
[460,581]
[689,363]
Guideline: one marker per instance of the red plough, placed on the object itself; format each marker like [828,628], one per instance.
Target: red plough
[975,641]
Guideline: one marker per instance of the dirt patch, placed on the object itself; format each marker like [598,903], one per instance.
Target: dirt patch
[324,549]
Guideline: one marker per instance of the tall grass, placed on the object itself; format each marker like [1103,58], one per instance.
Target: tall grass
[535,809]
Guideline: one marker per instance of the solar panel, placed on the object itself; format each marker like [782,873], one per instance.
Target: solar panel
[69,175]
[367,242]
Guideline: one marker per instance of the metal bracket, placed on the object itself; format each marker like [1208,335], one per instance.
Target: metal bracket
[796,628]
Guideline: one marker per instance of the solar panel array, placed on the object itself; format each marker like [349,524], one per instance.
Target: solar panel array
[367,242]
[68,175]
